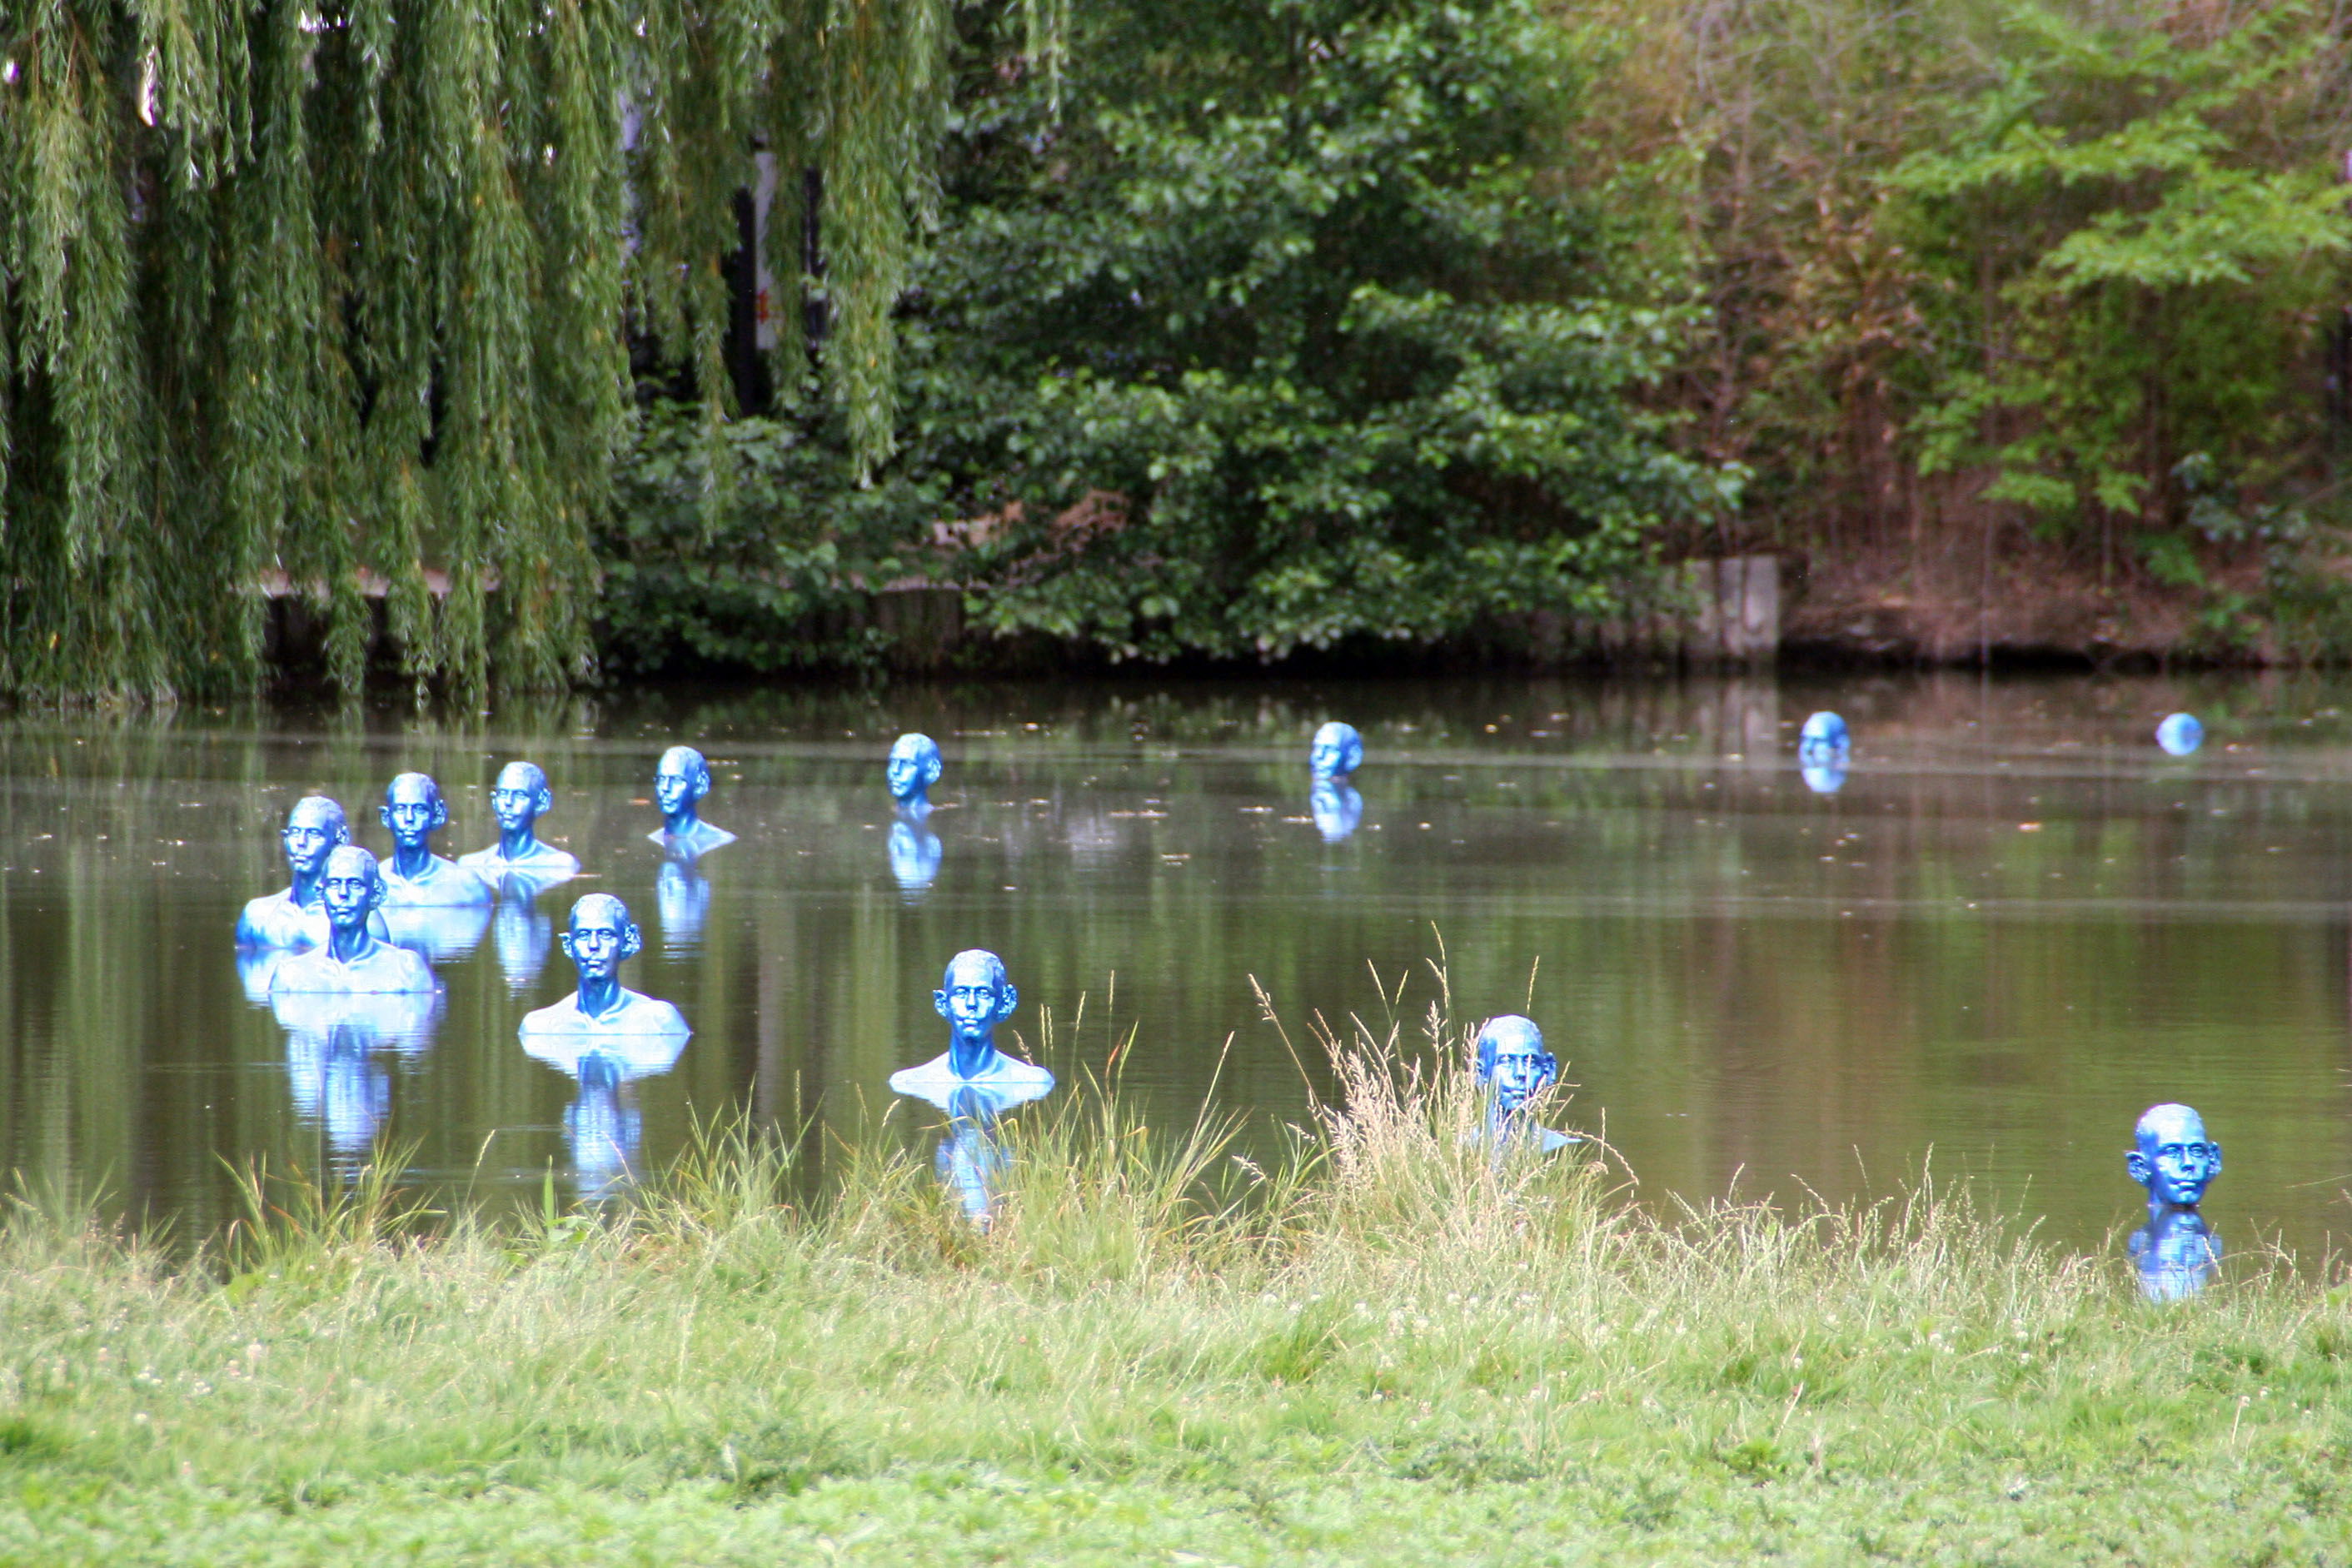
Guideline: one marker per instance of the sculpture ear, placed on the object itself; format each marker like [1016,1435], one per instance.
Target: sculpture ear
[2217,1155]
[933,765]
[702,784]
[939,1000]
[1010,1001]
[564,940]
[384,814]
[633,941]
[440,813]
[343,833]
[543,802]
[2141,1172]
[1550,1067]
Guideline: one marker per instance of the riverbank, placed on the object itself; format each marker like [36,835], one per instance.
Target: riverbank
[1386,1351]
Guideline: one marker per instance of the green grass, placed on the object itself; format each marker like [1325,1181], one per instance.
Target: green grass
[1385,1351]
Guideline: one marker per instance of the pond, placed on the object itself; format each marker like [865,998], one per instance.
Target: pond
[2018,923]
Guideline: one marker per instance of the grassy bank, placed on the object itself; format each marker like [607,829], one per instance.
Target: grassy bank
[1385,1351]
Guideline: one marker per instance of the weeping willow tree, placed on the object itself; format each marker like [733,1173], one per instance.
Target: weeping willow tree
[338,294]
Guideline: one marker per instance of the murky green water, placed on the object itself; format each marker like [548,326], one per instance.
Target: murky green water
[2017,925]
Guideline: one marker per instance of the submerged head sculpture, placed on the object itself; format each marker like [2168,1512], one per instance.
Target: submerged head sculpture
[313,828]
[351,887]
[1513,1064]
[914,767]
[519,799]
[680,782]
[2179,734]
[413,811]
[600,937]
[2174,1160]
[351,891]
[975,995]
[1336,752]
[1824,734]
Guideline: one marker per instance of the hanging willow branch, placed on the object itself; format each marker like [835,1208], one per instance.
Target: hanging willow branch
[327,292]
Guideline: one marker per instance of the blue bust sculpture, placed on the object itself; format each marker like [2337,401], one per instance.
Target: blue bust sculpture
[2179,734]
[974,997]
[519,799]
[1823,736]
[2177,1251]
[1514,1068]
[1335,806]
[914,767]
[1335,752]
[413,811]
[680,782]
[335,1048]
[601,935]
[915,854]
[295,916]
[352,959]
[2174,1159]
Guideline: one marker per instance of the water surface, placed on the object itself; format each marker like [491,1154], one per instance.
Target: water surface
[2017,923]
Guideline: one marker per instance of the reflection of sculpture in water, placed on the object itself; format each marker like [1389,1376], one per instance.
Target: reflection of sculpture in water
[519,799]
[2179,734]
[682,899]
[973,1082]
[1826,776]
[2178,1252]
[914,767]
[1513,1069]
[522,934]
[971,1159]
[1336,752]
[334,1070]
[914,852]
[605,1037]
[352,959]
[293,917]
[1336,807]
[680,782]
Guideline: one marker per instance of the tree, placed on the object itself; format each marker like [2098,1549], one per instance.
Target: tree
[342,288]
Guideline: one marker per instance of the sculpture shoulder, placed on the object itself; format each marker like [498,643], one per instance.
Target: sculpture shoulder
[275,920]
[387,969]
[445,882]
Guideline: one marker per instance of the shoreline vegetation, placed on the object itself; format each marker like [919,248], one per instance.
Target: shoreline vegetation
[1383,1348]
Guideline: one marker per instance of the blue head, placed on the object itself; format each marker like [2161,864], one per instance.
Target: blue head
[351,887]
[974,997]
[521,797]
[2179,734]
[315,826]
[680,782]
[600,937]
[1824,735]
[915,766]
[413,810]
[1513,1064]
[2175,1160]
[1337,751]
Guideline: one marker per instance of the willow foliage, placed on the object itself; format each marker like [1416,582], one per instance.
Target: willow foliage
[327,291]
